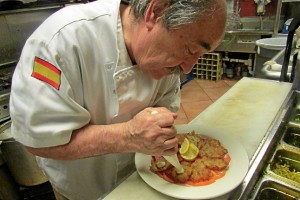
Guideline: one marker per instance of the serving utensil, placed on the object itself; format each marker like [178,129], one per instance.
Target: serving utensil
[172,159]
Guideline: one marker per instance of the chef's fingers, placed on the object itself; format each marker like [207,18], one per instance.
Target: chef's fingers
[164,119]
[169,152]
[154,110]
[170,146]
[169,132]
[161,110]
[166,143]
[166,150]
[164,134]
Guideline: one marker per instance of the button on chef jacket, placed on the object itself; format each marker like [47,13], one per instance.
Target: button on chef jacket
[74,70]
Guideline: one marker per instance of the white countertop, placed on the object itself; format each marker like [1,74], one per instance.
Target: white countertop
[245,112]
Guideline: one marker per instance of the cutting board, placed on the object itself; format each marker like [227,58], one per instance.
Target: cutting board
[245,111]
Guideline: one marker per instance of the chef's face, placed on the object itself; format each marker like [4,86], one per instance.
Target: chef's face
[158,50]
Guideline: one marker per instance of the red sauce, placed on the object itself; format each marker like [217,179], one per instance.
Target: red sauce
[217,175]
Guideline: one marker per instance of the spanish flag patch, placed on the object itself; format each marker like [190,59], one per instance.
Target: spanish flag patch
[46,72]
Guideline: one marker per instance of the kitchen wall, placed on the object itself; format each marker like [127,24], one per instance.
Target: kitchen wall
[248,8]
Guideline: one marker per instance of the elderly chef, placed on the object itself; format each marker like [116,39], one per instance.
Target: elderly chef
[89,78]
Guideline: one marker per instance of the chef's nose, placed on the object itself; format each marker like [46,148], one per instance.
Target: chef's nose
[189,62]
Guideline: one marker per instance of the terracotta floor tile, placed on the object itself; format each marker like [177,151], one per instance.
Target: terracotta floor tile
[191,85]
[193,95]
[211,84]
[181,121]
[181,113]
[193,109]
[215,93]
[181,118]
[230,82]
[197,95]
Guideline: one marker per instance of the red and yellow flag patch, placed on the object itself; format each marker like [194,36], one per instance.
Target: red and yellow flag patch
[46,72]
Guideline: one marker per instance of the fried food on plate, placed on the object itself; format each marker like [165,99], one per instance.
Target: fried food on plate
[204,160]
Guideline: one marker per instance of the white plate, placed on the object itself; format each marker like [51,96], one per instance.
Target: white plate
[237,170]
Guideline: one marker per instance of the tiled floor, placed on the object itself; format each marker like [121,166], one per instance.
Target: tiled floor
[197,95]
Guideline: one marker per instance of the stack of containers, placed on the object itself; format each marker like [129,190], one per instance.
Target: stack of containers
[208,67]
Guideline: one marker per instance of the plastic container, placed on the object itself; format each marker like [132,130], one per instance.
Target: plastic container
[267,48]
[286,25]
[276,43]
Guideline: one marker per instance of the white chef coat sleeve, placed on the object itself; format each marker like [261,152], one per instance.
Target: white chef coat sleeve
[44,114]
[171,96]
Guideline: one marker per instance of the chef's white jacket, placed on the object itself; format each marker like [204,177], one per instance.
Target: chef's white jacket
[95,83]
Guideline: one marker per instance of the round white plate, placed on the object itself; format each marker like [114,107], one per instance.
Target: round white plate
[237,170]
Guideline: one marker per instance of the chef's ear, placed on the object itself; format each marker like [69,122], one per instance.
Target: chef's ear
[154,10]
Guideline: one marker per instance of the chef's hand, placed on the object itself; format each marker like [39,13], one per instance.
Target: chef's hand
[152,132]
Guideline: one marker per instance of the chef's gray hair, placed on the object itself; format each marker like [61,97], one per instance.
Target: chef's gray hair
[178,12]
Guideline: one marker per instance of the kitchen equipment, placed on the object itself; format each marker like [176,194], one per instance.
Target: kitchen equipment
[279,178]
[244,71]
[20,162]
[230,70]
[272,68]
[11,189]
[292,28]
[294,62]
[286,24]
[5,83]
[267,48]
[18,20]
[10,4]
[8,187]
[173,159]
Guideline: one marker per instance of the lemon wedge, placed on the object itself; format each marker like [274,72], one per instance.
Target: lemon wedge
[191,153]
[184,146]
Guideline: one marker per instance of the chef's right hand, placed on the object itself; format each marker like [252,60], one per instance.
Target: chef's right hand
[152,132]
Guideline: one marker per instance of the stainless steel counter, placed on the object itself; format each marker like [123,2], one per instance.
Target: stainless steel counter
[245,112]
[241,41]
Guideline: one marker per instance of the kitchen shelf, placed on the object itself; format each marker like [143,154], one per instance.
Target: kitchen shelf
[208,67]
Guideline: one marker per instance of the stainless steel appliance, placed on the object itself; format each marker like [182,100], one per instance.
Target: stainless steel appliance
[18,19]
[22,178]
[20,162]
[5,83]
[8,187]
